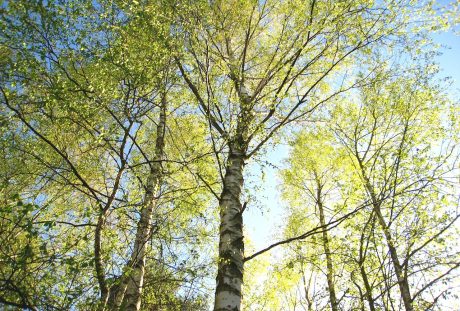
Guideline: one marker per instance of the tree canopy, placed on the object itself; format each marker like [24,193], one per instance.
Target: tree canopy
[130,130]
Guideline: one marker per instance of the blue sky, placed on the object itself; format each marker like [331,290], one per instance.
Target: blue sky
[450,60]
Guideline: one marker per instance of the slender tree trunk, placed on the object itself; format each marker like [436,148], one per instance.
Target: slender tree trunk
[231,247]
[367,286]
[361,294]
[362,259]
[306,288]
[127,296]
[98,261]
[402,280]
[327,251]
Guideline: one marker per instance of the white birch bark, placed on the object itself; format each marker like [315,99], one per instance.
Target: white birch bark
[127,296]
[231,248]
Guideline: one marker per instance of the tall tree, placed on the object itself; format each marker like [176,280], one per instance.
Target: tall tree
[391,143]
[256,66]
[87,110]
[310,180]
[124,123]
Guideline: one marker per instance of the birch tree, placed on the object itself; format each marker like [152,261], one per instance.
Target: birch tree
[87,111]
[407,135]
[309,184]
[400,162]
[124,125]
[254,67]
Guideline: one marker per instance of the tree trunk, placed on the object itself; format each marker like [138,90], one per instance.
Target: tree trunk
[367,286]
[127,296]
[98,261]
[361,294]
[402,280]
[306,288]
[327,251]
[231,247]
[362,259]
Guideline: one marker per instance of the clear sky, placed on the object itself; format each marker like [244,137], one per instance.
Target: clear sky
[450,60]
[263,219]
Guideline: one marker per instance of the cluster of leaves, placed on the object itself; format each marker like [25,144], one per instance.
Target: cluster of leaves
[83,87]
[396,142]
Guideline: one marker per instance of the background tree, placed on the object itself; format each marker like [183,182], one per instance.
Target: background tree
[401,153]
[84,110]
[400,129]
